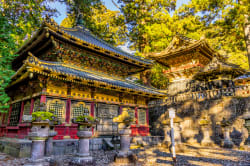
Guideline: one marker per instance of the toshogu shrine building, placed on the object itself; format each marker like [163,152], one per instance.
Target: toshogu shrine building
[74,73]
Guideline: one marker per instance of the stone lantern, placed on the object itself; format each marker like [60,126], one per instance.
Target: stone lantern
[177,133]
[124,155]
[39,133]
[226,125]
[49,141]
[84,133]
[167,130]
[206,141]
[247,126]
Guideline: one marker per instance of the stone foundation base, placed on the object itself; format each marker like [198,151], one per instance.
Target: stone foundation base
[207,143]
[227,144]
[38,162]
[178,148]
[125,158]
[82,161]
[22,147]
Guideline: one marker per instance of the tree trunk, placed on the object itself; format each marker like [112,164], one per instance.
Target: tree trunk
[145,77]
[247,36]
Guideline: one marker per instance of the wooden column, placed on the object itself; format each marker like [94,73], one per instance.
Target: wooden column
[92,109]
[9,114]
[21,113]
[147,114]
[43,99]
[3,118]
[136,122]
[31,105]
[68,106]
[136,115]
[120,110]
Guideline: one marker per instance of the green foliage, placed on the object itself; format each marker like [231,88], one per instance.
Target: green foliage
[158,79]
[86,119]
[24,16]
[148,23]
[124,118]
[42,116]
[106,24]
[221,22]
[7,47]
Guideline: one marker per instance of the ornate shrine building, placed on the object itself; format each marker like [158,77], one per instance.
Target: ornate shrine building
[202,84]
[74,73]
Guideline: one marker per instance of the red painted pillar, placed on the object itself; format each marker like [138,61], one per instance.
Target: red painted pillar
[92,113]
[136,122]
[120,111]
[92,109]
[3,118]
[68,106]
[31,106]
[9,114]
[21,113]
[147,116]
[43,99]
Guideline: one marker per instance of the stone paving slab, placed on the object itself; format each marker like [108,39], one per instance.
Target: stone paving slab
[157,156]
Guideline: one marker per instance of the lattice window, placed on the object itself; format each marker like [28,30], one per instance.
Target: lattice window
[26,108]
[36,105]
[58,106]
[79,108]
[142,117]
[15,114]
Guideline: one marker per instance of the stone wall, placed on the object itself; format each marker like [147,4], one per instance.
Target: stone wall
[191,111]
[22,147]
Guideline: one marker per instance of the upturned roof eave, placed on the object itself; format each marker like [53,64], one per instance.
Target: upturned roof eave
[168,53]
[37,67]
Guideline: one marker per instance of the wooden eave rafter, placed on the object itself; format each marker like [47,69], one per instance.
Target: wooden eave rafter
[203,75]
[83,44]
[30,68]
[201,45]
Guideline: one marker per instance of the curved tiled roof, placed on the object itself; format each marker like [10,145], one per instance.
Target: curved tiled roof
[84,35]
[82,75]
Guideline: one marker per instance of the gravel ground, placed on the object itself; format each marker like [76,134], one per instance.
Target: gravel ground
[157,156]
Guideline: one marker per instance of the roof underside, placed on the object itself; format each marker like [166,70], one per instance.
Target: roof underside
[77,75]
[77,36]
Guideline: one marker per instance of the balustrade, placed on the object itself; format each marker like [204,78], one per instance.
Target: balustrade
[239,91]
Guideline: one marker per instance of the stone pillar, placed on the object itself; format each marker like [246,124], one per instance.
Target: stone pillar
[206,141]
[83,157]
[49,142]
[125,140]
[38,135]
[125,156]
[227,142]
[177,137]
[167,139]
[247,126]
[177,133]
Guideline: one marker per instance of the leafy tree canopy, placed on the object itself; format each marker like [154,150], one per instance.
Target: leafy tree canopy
[7,48]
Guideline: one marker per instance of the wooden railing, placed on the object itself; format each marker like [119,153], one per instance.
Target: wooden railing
[239,91]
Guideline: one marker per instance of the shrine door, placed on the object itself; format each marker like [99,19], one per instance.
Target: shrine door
[106,113]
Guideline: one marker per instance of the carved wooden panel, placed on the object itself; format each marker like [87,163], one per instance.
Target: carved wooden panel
[142,117]
[26,108]
[106,113]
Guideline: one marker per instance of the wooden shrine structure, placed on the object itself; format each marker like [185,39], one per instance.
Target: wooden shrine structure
[74,73]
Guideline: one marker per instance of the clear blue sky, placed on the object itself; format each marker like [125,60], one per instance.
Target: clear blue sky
[108,3]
